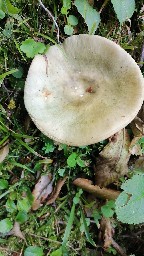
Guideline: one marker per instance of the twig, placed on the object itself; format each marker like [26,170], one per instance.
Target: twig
[103,6]
[118,248]
[103,193]
[51,16]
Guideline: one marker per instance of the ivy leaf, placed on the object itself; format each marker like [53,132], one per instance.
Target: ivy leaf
[32,48]
[91,16]
[124,9]
[33,251]
[5,225]
[130,203]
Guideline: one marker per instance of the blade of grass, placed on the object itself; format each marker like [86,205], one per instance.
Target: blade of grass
[90,240]
[69,226]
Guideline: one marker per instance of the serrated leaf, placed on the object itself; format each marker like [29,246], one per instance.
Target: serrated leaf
[130,203]
[68,29]
[32,48]
[124,9]
[90,15]
[5,225]
[33,251]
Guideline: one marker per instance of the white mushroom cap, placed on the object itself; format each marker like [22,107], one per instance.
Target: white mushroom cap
[84,90]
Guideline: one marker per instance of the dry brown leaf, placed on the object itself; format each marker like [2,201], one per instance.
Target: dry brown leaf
[137,125]
[4,152]
[139,163]
[56,191]
[42,189]
[16,231]
[112,162]
[135,148]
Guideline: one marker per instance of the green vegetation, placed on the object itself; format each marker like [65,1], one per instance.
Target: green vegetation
[70,225]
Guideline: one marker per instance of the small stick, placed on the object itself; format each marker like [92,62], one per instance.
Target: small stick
[103,193]
[103,6]
[51,16]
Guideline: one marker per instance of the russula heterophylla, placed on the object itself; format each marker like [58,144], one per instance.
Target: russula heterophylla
[84,90]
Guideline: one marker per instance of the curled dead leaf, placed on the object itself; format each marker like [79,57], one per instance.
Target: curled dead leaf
[42,189]
[16,231]
[56,191]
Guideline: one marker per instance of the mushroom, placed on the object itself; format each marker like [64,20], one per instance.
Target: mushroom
[84,90]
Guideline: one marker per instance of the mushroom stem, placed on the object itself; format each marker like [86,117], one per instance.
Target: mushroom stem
[103,193]
[51,16]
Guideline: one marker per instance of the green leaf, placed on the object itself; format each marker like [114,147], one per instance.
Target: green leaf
[69,226]
[9,8]
[58,252]
[8,73]
[10,206]
[66,6]
[18,73]
[5,225]
[90,15]
[80,162]
[96,215]
[32,48]
[2,14]
[72,20]
[24,205]
[21,217]
[130,203]
[90,240]
[7,31]
[71,161]
[3,184]
[68,29]
[108,209]
[124,9]
[33,251]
